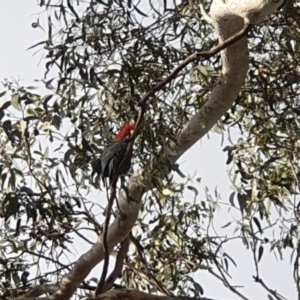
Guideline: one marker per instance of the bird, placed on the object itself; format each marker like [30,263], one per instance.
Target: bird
[111,164]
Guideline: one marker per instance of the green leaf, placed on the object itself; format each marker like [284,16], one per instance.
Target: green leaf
[2,93]
[45,101]
[193,189]
[260,252]
[242,202]
[15,102]
[39,43]
[7,127]
[77,200]
[10,205]
[31,213]
[56,121]
[68,154]
[23,125]
[46,154]
[12,179]
[5,105]
[139,11]
[226,264]
[3,178]
[231,199]
[225,254]
[198,288]
[226,225]
[27,190]
[257,224]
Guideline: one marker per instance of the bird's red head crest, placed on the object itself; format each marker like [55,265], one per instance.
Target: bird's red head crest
[125,131]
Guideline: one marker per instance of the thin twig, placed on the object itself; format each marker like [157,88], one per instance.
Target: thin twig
[47,258]
[105,229]
[205,15]
[139,249]
[151,279]
[196,56]
[139,125]
[226,283]
[273,292]
[117,272]
[223,277]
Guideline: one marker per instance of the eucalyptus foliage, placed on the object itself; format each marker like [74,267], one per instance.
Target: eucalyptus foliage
[101,57]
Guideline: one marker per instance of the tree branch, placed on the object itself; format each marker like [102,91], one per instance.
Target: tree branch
[234,68]
[126,294]
[151,279]
[40,290]
[194,57]
[117,272]
[272,292]
[105,246]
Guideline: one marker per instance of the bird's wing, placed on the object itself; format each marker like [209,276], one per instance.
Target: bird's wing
[112,156]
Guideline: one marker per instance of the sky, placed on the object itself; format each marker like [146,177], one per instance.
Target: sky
[206,158]
[17,35]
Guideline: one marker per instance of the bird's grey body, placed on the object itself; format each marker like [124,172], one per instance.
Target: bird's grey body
[110,163]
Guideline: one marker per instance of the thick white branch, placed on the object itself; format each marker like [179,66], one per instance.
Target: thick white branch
[126,294]
[38,291]
[228,18]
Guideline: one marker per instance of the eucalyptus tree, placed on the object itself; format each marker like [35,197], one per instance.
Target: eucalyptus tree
[178,70]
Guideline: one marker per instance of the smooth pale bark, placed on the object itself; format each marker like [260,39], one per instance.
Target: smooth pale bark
[228,17]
